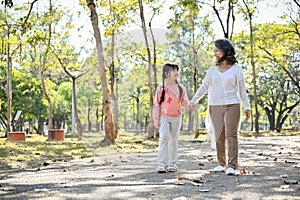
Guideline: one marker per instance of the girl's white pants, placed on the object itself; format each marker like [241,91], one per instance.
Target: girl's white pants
[168,141]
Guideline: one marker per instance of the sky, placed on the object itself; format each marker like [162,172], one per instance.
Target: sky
[270,11]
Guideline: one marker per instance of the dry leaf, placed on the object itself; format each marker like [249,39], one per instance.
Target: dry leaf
[284,176]
[290,181]
[242,171]
[210,158]
[204,190]
[285,187]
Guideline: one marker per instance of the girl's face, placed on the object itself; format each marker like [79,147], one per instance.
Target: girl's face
[218,53]
[173,74]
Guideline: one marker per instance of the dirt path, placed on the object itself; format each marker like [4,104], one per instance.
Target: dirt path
[271,166]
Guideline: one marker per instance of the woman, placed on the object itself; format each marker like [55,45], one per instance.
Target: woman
[225,85]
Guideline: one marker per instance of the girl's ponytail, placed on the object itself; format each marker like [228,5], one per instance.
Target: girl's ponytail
[162,97]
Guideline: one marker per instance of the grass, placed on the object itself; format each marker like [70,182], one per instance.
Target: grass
[37,151]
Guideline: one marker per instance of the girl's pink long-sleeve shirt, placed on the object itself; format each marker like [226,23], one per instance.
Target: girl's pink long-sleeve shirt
[172,105]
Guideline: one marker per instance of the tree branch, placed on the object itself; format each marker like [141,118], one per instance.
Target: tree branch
[272,58]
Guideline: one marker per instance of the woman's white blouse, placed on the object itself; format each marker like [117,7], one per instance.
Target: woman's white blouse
[223,88]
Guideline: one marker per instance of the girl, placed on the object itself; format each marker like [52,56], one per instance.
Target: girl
[167,114]
[225,85]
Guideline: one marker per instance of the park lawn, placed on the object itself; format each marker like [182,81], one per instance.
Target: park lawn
[37,151]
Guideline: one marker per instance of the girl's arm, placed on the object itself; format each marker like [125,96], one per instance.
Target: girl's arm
[157,107]
[185,99]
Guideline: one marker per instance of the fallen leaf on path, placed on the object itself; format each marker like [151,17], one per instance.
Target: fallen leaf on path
[107,162]
[242,171]
[210,158]
[197,181]
[181,198]
[179,183]
[290,181]
[41,190]
[197,184]
[287,161]
[285,187]
[109,177]
[284,176]
[297,166]
[204,190]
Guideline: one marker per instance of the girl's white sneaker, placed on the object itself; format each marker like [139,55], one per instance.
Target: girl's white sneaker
[161,170]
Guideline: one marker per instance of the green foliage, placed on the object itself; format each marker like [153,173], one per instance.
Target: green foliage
[190,30]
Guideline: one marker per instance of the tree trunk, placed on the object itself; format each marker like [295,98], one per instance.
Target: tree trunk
[256,123]
[9,89]
[109,125]
[77,119]
[114,79]
[149,71]
[89,115]
[49,103]
[40,129]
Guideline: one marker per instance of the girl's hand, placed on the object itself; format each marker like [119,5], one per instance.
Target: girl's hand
[191,106]
[156,124]
[247,113]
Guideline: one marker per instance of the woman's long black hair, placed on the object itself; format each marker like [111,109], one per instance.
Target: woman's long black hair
[227,48]
[167,69]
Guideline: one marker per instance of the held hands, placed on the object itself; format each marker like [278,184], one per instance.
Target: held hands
[190,106]
[247,113]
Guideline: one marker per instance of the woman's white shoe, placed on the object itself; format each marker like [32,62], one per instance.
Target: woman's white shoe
[219,169]
[230,171]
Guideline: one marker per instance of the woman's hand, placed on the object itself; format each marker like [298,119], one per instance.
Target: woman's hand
[247,113]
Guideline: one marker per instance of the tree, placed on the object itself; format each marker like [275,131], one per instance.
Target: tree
[109,125]
[12,28]
[249,15]
[228,25]
[65,62]
[190,32]
[149,70]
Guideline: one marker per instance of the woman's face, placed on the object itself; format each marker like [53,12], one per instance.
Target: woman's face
[218,53]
